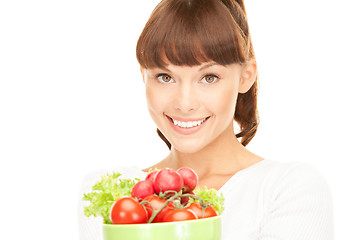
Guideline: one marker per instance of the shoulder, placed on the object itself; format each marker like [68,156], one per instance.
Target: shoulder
[295,173]
[277,172]
[275,178]
[297,185]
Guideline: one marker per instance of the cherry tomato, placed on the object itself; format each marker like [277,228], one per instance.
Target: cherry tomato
[127,210]
[209,211]
[167,180]
[181,214]
[189,177]
[157,203]
[151,175]
[142,189]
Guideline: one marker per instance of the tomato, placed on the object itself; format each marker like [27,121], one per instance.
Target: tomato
[151,175]
[157,203]
[127,210]
[167,180]
[142,189]
[209,211]
[189,177]
[181,214]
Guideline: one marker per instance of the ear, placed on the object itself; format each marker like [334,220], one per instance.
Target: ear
[248,76]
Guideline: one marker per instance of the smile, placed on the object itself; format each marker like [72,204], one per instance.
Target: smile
[187,126]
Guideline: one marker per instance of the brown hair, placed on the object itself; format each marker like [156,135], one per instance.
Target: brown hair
[190,32]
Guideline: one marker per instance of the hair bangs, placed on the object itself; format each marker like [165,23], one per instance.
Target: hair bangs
[190,32]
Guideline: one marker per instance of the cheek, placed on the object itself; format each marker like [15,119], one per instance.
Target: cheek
[156,100]
[151,97]
[223,104]
[152,100]
[227,103]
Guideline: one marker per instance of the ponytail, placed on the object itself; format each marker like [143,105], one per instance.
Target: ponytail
[246,112]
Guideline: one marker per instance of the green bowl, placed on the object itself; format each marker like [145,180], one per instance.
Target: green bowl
[206,229]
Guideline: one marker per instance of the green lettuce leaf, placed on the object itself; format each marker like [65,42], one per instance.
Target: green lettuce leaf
[211,196]
[104,193]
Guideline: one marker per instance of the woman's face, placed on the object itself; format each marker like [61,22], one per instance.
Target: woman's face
[192,106]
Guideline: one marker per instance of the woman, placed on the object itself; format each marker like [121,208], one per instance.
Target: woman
[198,67]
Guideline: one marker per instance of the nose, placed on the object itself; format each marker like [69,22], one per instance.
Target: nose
[186,99]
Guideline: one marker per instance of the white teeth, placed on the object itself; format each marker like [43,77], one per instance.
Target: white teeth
[188,124]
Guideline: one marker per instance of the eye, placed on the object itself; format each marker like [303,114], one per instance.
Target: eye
[164,78]
[209,78]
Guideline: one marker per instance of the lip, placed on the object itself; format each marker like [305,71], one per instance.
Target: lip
[186,119]
[186,131]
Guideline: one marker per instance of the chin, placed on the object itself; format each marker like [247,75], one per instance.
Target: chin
[188,147]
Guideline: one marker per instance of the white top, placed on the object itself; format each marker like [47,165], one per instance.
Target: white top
[266,201]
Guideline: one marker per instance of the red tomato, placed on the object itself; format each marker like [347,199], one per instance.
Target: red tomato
[151,175]
[142,189]
[209,211]
[167,180]
[181,214]
[157,203]
[189,177]
[126,210]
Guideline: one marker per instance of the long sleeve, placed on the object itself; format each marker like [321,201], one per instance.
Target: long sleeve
[300,207]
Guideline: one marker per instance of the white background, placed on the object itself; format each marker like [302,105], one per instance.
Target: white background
[72,101]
